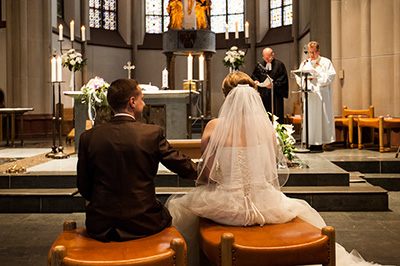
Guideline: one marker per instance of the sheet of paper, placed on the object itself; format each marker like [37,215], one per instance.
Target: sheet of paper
[265,83]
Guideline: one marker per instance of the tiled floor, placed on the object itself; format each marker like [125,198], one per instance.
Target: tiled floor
[25,239]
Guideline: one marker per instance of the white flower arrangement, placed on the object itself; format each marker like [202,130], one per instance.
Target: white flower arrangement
[234,58]
[73,60]
[95,91]
[285,132]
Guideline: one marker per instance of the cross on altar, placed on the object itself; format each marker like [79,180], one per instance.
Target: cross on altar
[129,67]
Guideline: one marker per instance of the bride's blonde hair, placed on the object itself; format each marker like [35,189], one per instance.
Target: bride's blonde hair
[233,79]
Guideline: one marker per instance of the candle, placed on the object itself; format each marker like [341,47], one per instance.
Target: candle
[237,30]
[201,67]
[59,69]
[165,78]
[226,32]
[60,32]
[83,36]
[246,30]
[189,67]
[71,28]
[53,70]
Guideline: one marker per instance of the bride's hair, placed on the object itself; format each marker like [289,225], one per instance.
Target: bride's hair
[235,78]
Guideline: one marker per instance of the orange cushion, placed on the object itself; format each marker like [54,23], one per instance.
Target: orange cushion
[84,250]
[295,242]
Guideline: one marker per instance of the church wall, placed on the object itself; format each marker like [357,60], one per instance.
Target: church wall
[3,66]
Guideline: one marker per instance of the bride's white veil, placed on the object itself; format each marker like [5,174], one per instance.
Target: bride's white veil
[243,143]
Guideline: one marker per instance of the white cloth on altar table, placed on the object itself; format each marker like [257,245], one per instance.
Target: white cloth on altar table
[321,120]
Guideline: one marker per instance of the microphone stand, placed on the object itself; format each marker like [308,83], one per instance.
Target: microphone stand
[272,95]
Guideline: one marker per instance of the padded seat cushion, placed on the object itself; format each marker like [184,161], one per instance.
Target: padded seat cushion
[258,245]
[84,250]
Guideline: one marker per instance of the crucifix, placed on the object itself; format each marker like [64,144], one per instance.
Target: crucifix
[129,67]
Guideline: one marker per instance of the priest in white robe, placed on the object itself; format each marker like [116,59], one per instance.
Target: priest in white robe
[321,121]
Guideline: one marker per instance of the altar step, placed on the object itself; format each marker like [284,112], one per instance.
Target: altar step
[355,197]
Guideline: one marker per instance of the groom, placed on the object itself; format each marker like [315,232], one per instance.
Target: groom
[117,164]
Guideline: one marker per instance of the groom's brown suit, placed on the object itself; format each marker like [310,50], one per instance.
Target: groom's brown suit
[116,168]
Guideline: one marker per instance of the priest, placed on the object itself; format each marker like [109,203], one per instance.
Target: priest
[274,70]
[321,120]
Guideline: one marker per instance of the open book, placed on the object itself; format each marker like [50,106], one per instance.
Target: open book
[305,70]
[265,83]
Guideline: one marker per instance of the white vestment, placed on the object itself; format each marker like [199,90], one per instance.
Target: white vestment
[321,120]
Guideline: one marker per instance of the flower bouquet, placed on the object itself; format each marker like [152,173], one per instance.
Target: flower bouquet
[95,96]
[73,60]
[285,133]
[234,58]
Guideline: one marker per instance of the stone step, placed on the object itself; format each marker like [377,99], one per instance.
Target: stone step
[57,200]
[388,181]
[330,198]
[370,166]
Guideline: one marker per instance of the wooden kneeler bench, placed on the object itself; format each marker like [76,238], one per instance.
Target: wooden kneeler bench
[294,243]
[75,247]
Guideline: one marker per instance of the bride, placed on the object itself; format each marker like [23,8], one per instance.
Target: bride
[238,182]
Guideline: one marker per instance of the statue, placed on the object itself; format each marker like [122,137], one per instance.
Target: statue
[175,11]
[202,10]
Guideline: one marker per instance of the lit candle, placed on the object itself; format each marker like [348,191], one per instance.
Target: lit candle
[59,69]
[226,32]
[189,67]
[201,67]
[165,78]
[60,32]
[71,30]
[83,36]
[237,30]
[53,70]
[246,30]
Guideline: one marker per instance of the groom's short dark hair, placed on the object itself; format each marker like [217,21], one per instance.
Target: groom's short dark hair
[120,91]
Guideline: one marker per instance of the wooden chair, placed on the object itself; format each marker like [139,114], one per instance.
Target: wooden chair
[294,243]
[381,124]
[349,120]
[75,247]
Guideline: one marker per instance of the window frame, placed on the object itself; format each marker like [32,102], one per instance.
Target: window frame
[102,18]
[282,7]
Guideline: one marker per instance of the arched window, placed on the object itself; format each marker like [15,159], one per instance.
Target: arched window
[280,13]
[222,12]
[103,14]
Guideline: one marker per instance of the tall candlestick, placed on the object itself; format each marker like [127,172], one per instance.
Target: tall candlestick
[53,70]
[83,35]
[237,30]
[72,30]
[226,32]
[201,67]
[246,30]
[59,69]
[60,32]
[165,78]
[189,66]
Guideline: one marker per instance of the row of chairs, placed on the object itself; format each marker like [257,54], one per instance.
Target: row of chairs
[294,243]
[352,120]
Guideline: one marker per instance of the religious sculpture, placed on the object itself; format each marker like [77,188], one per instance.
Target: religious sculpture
[175,11]
[202,11]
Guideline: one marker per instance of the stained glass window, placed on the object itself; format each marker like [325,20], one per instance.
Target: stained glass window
[103,14]
[281,13]
[227,12]
[222,12]
[157,18]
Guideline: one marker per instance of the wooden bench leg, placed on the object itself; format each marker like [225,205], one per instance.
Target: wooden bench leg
[57,255]
[178,245]
[360,146]
[329,231]
[227,240]
[350,132]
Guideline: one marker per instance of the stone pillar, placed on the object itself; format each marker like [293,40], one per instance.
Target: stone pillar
[396,65]
[134,37]
[365,44]
[336,9]
[85,22]
[28,45]
[208,56]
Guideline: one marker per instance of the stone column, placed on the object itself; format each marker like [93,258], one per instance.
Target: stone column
[85,22]
[365,44]
[336,9]
[396,59]
[28,45]
[134,37]
[208,83]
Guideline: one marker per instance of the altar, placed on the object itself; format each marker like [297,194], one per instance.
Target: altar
[174,102]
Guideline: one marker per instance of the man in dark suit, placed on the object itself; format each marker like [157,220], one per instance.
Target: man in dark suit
[117,164]
[277,71]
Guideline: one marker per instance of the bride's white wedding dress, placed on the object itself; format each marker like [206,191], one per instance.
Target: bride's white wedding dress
[242,186]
